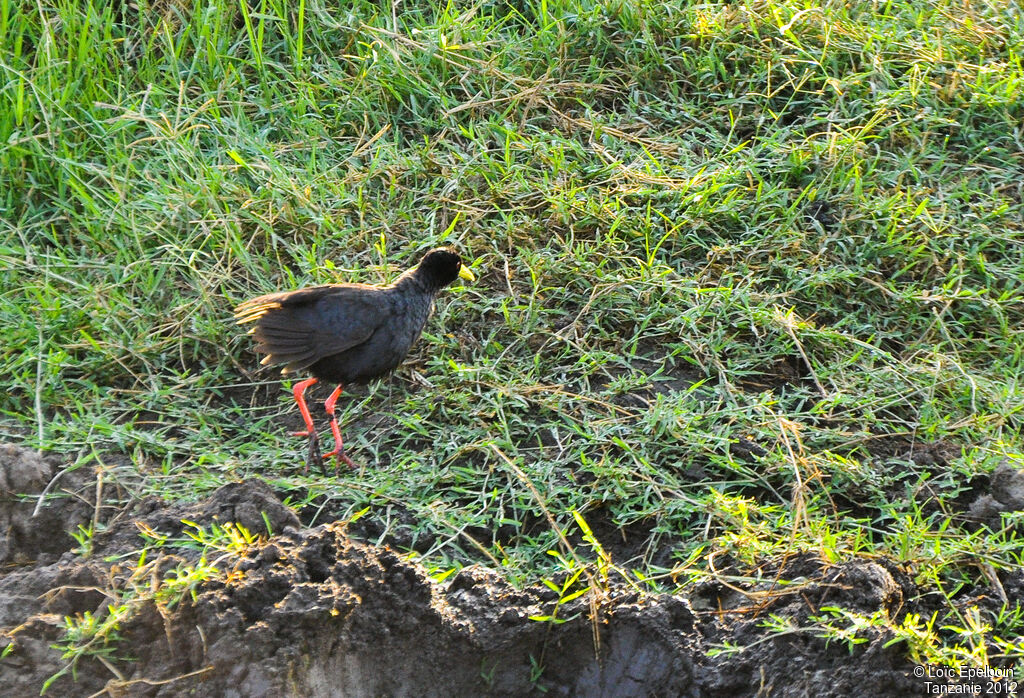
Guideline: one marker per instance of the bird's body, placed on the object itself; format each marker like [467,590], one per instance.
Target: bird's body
[386,346]
[341,333]
[347,333]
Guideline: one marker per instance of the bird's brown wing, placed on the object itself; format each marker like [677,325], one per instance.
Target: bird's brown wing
[300,327]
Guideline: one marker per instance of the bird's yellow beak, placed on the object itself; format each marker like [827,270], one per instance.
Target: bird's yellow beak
[465,273]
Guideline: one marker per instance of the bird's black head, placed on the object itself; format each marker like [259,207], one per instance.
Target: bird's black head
[440,267]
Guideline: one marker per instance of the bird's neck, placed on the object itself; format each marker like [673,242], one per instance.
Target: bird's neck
[413,280]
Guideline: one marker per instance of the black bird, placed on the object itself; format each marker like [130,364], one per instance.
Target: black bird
[347,333]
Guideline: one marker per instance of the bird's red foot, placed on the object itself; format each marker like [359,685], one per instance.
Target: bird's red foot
[339,454]
[339,449]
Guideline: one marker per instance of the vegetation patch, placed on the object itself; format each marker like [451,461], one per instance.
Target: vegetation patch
[750,290]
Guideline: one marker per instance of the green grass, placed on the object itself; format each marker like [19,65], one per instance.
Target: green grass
[792,225]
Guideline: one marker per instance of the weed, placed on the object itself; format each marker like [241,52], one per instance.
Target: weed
[97,635]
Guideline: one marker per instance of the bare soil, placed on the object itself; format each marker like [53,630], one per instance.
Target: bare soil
[314,612]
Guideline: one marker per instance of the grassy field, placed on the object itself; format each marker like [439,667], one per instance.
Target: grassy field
[750,275]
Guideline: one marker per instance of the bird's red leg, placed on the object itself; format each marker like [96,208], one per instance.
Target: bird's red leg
[339,449]
[297,390]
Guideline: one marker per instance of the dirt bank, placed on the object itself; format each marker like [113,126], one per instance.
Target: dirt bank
[312,612]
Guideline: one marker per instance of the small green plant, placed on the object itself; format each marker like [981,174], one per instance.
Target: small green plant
[84,537]
[925,645]
[230,537]
[604,560]
[537,673]
[91,635]
[487,674]
[564,589]
[854,628]
[572,569]
[184,580]
[97,635]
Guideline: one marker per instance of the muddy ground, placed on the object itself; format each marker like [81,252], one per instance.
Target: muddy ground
[314,612]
